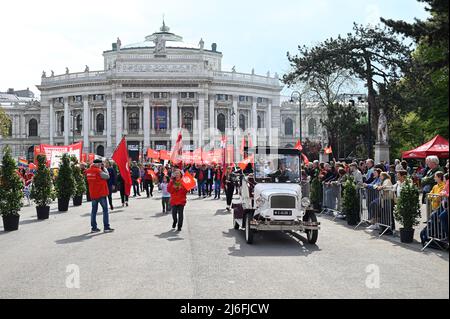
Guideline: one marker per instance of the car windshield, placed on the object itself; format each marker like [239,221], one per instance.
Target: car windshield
[276,168]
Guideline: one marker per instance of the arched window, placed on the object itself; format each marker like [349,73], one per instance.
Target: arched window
[288,127]
[312,127]
[188,120]
[260,123]
[61,123]
[79,123]
[30,153]
[242,122]
[101,150]
[100,123]
[133,122]
[221,122]
[33,128]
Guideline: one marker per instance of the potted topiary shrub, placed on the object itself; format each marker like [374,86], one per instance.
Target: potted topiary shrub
[407,211]
[350,202]
[65,185]
[11,192]
[315,193]
[41,191]
[80,186]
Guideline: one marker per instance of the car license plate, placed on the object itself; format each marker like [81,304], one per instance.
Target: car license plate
[282,212]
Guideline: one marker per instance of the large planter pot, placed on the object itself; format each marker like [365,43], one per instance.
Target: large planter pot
[63,204]
[11,222]
[42,212]
[406,235]
[352,220]
[77,200]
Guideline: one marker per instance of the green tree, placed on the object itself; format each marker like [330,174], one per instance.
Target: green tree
[373,54]
[42,189]
[419,101]
[11,186]
[65,184]
[407,210]
[80,186]
[5,123]
[350,202]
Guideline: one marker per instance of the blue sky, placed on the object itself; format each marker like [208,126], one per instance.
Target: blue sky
[52,34]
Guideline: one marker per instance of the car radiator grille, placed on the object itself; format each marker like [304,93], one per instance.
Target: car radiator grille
[282,202]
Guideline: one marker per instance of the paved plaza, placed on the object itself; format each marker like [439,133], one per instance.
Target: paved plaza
[145,258]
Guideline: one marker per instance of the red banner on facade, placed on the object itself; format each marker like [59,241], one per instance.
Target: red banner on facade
[54,153]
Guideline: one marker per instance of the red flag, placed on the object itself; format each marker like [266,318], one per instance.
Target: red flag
[305,159]
[164,155]
[151,173]
[152,154]
[328,150]
[188,181]
[299,145]
[246,161]
[120,156]
[176,151]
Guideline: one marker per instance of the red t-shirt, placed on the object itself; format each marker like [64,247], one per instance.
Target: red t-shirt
[98,187]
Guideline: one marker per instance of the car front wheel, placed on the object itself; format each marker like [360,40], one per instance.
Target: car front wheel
[311,234]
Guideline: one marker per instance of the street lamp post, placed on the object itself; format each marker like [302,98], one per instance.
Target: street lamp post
[297,96]
[233,120]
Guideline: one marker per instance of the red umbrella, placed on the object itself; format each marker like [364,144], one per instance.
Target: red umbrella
[437,146]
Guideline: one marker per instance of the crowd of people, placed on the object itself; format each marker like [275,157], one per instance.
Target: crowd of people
[103,179]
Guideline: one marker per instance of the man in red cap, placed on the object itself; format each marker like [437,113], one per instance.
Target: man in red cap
[97,176]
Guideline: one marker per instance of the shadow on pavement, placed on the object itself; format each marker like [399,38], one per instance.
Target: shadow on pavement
[31,221]
[269,243]
[394,240]
[157,215]
[222,212]
[80,238]
[171,235]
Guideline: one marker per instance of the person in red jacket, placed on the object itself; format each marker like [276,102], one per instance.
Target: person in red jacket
[97,177]
[177,199]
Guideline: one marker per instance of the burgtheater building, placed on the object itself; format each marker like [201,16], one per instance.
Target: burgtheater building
[150,90]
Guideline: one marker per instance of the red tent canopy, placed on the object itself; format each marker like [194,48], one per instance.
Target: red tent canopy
[437,146]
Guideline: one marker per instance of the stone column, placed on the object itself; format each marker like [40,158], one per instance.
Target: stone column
[211,117]
[269,123]
[201,118]
[24,127]
[52,121]
[66,121]
[119,118]
[85,124]
[174,112]
[195,128]
[146,121]
[254,121]
[235,140]
[108,126]
[125,120]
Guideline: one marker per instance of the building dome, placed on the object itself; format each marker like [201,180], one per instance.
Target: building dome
[170,39]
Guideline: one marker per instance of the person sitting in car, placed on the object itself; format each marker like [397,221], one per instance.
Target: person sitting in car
[282,173]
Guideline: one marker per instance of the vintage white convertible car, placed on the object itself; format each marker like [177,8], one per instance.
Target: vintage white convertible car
[271,196]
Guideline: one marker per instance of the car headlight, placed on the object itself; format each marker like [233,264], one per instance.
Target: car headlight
[260,201]
[305,202]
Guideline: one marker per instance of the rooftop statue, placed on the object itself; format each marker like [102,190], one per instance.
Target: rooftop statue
[86,69]
[43,74]
[67,70]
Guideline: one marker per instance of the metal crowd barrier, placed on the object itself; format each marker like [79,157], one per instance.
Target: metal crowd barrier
[435,229]
[377,206]
[332,200]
